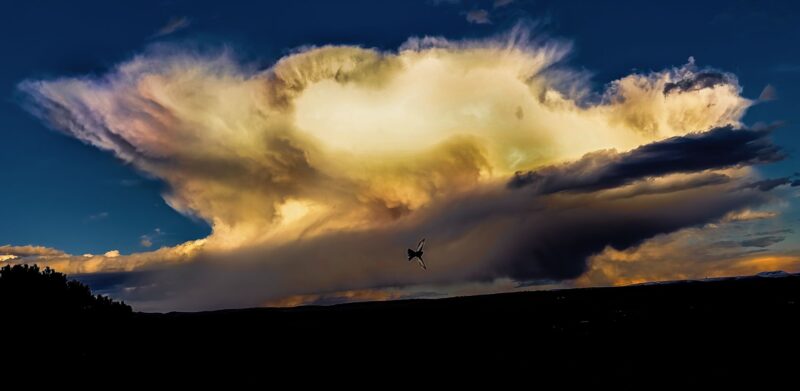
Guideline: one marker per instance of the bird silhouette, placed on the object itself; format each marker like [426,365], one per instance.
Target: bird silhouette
[418,254]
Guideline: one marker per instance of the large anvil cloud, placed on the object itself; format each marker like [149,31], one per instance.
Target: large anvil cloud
[315,172]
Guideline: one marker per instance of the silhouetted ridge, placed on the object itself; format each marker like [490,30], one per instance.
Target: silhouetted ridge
[28,290]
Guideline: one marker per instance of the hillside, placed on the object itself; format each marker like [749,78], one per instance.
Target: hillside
[687,329]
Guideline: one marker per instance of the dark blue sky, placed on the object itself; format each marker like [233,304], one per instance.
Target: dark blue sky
[59,193]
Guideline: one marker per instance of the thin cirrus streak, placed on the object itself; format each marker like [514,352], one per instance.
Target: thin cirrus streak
[335,156]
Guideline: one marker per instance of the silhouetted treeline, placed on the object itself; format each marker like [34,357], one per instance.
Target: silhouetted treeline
[26,290]
[726,329]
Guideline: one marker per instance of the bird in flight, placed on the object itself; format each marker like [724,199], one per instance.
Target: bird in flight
[418,254]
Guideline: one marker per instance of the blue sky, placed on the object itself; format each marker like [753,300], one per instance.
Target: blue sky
[59,192]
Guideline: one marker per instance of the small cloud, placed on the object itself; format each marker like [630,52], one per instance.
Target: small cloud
[478,17]
[99,216]
[130,182]
[173,25]
[111,254]
[768,93]
[502,3]
[147,240]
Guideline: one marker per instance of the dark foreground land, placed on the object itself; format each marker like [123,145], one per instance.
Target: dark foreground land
[725,329]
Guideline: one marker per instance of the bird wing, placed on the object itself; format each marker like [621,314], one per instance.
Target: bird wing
[421,245]
[421,263]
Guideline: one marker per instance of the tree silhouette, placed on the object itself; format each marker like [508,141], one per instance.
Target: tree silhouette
[30,291]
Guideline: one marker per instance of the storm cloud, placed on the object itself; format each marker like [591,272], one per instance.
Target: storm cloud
[316,172]
[484,237]
[769,184]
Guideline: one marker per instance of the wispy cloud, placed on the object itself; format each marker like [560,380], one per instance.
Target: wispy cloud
[788,68]
[768,94]
[29,251]
[478,17]
[173,25]
[98,216]
[130,182]
[764,241]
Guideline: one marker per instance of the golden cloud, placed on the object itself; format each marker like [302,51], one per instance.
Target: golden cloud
[333,146]
[341,137]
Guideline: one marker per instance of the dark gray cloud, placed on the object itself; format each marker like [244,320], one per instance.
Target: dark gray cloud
[769,184]
[560,250]
[698,81]
[764,241]
[674,184]
[773,232]
[714,149]
[493,234]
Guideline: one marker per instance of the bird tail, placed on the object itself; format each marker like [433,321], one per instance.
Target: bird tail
[422,263]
